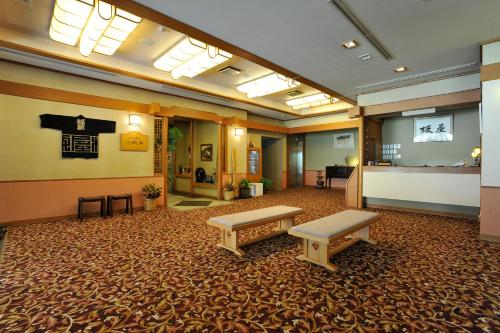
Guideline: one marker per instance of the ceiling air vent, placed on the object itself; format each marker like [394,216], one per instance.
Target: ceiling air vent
[293,93]
[230,71]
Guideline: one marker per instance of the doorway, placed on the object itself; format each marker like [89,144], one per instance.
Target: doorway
[272,161]
[296,160]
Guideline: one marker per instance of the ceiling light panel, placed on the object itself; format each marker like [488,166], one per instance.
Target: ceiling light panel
[311,101]
[350,44]
[68,20]
[191,57]
[266,85]
[99,26]
[120,27]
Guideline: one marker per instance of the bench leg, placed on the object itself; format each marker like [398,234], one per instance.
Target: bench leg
[131,206]
[284,225]
[317,253]
[364,235]
[229,241]
[80,204]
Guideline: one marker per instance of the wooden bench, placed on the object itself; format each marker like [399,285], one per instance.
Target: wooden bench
[319,234]
[230,225]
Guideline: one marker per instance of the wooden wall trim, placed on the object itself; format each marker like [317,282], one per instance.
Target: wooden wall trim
[325,127]
[72,179]
[160,18]
[63,96]
[233,121]
[452,99]
[51,55]
[461,170]
[172,111]
[490,72]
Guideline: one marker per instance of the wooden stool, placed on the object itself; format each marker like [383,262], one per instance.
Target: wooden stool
[129,208]
[82,200]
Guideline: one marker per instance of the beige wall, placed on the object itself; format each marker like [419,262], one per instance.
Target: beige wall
[239,145]
[205,132]
[399,130]
[319,151]
[31,153]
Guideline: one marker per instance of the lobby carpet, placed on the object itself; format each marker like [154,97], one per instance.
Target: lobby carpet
[161,272]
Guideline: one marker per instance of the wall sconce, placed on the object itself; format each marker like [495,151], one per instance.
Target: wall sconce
[134,119]
[238,132]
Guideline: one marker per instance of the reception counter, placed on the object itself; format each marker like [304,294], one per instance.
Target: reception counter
[446,189]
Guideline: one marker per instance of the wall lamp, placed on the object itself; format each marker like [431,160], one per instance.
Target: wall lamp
[238,132]
[134,119]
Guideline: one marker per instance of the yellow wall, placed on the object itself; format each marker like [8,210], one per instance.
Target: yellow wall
[239,144]
[30,152]
[46,78]
[205,132]
[255,137]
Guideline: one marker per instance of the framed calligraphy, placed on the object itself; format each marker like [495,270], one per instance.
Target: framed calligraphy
[433,129]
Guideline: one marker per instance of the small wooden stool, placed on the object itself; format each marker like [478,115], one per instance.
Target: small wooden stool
[82,200]
[129,208]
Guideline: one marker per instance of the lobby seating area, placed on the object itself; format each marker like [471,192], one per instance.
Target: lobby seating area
[282,166]
[162,271]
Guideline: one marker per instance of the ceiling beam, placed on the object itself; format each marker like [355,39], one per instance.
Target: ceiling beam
[167,21]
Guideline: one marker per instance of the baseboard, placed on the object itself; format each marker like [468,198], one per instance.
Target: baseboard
[489,238]
[424,211]
[64,217]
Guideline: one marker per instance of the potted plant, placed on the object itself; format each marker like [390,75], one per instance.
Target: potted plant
[229,191]
[151,192]
[266,184]
[244,188]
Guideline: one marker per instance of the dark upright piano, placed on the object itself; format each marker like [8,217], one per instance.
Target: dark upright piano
[337,171]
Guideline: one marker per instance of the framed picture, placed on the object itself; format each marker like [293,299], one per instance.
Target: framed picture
[433,129]
[343,141]
[206,151]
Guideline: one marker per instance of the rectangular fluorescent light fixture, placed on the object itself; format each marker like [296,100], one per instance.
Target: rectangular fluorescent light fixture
[267,84]
[350,44]
[120,27]
[418,112]
[99,26]
[68,20]
[191,57]
[311,101]
[400,69]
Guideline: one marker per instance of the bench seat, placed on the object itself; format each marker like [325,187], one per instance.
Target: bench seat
[230,225]
[319,234]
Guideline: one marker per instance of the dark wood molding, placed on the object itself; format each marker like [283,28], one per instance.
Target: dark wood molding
[490,72]
[424,211]
[452,99]
[167,21]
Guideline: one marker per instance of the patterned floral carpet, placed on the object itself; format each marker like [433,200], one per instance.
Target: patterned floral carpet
[161,272]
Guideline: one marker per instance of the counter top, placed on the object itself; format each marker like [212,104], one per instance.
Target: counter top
[423,169]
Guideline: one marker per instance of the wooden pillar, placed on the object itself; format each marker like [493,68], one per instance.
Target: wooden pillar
[165,161]
[361,149]
[220,162]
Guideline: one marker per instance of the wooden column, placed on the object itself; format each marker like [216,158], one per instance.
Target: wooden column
[165,161]
[361,149]
[220,161]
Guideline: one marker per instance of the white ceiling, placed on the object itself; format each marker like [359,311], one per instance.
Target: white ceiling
[305,36]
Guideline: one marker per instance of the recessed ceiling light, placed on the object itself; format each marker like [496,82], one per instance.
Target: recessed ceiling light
[400,69]
[161,28]
[350,44]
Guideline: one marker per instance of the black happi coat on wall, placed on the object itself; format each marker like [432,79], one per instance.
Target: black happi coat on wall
[80,135]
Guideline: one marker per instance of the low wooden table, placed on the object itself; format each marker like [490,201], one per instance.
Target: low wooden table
[230,225]
[318,235]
